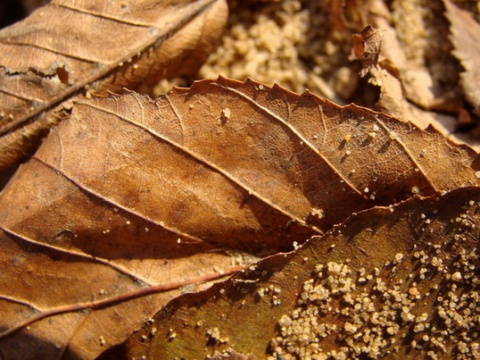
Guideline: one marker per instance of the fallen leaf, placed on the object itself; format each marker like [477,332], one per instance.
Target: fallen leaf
[230,355]
[465,36]
[131,201]
[416,47]
[397,82]
[68,48]
[395,282]
[367,46]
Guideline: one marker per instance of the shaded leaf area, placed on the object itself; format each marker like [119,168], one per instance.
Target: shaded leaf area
[60,302]
[67,48]
[132,201]
[10,11]
[465,36]
[391,282]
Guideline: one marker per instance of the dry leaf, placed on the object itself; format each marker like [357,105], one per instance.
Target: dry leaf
[417,76]
[367,46]
[130,199]
[67,48]
[230,355]
[465,35]
[397,81]
[415,44]
[60,301]
[398,283]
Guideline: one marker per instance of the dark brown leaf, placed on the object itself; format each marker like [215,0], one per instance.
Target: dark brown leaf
[68,48]
[400,283]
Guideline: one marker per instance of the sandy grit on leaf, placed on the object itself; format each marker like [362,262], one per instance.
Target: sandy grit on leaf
[397,282]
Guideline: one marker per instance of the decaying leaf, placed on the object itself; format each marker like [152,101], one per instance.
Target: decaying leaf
[230,355]
[465,35]
[399,282]
[68,48]
[130,199]
[417,74]
[367,46]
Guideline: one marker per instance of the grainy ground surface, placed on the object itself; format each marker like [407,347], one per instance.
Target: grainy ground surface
[305,44]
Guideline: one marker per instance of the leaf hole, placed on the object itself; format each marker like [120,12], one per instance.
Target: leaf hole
[62,74]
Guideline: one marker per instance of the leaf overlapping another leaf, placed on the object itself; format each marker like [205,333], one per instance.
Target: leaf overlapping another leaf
[464,36]
[67,48]
[397,282]
[132,198]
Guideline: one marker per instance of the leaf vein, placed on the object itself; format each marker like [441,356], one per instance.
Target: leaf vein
[207,163]
[295,132]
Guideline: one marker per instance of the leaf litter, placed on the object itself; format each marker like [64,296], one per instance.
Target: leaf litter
[465,36]
[423,73]
[137,210]
[68,49]
[397,282]
[124,250]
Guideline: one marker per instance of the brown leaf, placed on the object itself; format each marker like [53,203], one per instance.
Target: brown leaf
[130,199]
[367,46]
[465,35]
[398,283]
[406,90]
[415,44]
[417,76]
[230,355]
[69,303]
[67,48]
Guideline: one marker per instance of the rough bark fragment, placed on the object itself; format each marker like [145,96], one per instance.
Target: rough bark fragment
[68,47]
[395,283]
